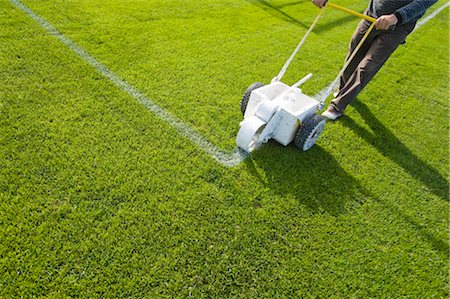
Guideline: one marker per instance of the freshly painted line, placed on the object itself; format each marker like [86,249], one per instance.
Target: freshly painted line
[227,159]
[322,95]
[431,16]
[333,86]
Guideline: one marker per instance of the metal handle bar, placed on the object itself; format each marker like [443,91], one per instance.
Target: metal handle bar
[357,14]
[302,81]
[288,62]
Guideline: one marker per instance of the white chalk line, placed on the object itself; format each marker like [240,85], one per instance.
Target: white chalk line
[227,159]
[420,23]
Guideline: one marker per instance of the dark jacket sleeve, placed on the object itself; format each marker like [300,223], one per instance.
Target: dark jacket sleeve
[413,11]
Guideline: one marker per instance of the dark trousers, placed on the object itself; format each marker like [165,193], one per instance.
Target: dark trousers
[377,48]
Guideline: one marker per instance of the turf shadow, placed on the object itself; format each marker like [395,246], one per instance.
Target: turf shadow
[323,27]
[314,178]
[290,4]
[425,233]
[278,13]
[320,184]
[390,146]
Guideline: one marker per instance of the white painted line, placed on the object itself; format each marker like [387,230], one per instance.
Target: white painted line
[333,86]
[431,16]
[226,159]
[322,95]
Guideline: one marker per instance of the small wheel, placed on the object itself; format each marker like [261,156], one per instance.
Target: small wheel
[246,97]
[248,137]
[309,132]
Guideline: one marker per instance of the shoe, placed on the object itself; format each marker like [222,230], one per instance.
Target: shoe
[331,113]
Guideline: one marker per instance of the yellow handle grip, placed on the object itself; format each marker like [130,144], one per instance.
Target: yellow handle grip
[359,15]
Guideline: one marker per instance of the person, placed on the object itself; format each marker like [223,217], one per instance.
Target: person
[395,20]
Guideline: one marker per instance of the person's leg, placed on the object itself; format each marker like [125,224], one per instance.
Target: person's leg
[362,28]
[383,45]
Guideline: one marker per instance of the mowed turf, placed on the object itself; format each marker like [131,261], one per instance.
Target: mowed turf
[101,198]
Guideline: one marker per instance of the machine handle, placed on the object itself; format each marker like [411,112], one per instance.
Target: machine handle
[359,15]
[352,12]
[302,81]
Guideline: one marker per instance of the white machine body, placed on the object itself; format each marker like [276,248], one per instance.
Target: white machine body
[274,111]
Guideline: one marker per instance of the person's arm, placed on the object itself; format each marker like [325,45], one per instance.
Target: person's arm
[413,10]
[407,13]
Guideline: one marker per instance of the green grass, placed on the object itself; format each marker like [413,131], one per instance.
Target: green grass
[100,198]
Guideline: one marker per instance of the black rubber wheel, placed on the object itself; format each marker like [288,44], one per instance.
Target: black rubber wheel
[246,97]
[309,132]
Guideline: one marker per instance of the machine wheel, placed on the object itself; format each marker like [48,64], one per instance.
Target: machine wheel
[249,133]
[246,97]
[309,132]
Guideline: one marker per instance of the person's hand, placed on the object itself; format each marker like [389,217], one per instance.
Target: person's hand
[319,3]
[386,22]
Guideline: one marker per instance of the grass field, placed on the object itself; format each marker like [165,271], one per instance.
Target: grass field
[100,197]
